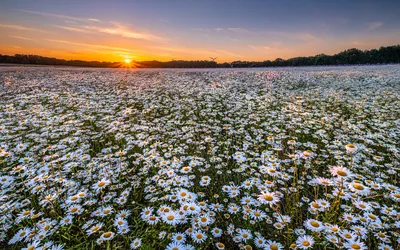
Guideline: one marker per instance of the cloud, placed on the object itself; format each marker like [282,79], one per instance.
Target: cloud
[239,30]
[374,25]
[21,37]
[62,16]
[91,27]
[234,30]
[91,45]
[219,29]
[261,48]
[94,20]
[16,27]
[123,32]
[72,29]
[117,29]
[274,34]
[189,51]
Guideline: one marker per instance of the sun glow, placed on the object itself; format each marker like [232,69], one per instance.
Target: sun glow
[127,63]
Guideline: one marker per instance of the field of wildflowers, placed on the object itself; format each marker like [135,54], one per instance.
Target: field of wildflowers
[304,158]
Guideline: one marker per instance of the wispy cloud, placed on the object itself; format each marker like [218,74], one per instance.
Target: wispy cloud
[239,30]
[72,29]
[260,47]
[198,29]
[91,27]
[125,31]
[21,37]
[298,35]
[117,29]
[374,25]
[16,27]
[230,30]
[94,20]
[91,45]
[187,51]
[21,28]
[121,31]
[62,16]
[256,47]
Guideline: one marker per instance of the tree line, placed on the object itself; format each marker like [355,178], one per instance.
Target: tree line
[383,55]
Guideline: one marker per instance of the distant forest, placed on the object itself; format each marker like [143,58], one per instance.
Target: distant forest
[383,55]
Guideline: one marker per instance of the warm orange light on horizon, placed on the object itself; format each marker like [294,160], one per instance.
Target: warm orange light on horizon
[127,60]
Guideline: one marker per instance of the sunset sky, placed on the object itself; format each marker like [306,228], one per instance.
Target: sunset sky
[195,30]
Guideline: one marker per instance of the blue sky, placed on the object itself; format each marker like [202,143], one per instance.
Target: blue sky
[165,30]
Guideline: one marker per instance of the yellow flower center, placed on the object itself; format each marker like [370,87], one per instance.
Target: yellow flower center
[268,197]
[358,186]
[273,247]
[314,224]
[315,205]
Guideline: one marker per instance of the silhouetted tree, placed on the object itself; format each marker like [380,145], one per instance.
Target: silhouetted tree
[390,54]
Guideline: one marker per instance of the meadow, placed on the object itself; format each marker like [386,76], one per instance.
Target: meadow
[283,158]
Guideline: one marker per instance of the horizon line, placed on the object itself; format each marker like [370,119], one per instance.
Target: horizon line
[218,63]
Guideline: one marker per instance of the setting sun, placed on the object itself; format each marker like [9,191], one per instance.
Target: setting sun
[127,61]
